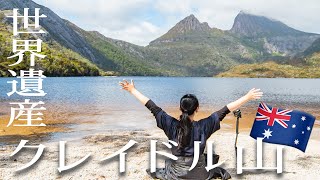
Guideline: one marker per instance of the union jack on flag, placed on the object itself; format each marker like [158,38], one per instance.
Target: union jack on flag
[283,126]
[273,115]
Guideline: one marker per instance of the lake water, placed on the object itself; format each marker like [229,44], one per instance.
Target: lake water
[101,99]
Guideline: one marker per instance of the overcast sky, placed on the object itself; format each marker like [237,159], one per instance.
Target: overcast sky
[141,21]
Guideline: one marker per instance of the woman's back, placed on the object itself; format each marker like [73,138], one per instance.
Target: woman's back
[200,130]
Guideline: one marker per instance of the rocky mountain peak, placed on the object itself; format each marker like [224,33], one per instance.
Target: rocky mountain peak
[189,24]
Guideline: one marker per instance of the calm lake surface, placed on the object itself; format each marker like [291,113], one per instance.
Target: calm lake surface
[101,99]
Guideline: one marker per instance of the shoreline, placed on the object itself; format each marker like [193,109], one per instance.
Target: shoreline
[296,164]
[58,121]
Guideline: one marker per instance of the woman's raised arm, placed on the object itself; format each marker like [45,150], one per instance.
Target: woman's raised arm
[131,88]
[251,95]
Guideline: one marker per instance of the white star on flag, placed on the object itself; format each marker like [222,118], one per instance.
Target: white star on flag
[303,118]
[294,126]
[267,133]
[308,128]
[302,132]
[296,142]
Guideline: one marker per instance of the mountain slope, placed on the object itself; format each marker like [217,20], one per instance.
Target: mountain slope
[59,61]
[110,58]
[56,28]
[315,47]
[127,64]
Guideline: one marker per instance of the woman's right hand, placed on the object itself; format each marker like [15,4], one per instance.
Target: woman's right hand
[127,86]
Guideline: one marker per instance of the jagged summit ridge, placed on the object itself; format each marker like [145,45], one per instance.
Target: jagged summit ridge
[251,25]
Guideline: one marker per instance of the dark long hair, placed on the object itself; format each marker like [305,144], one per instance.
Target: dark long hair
[188,105]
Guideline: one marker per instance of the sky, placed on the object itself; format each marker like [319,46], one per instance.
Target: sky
[141,21]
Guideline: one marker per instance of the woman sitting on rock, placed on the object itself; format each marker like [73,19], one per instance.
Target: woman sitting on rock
[185,131]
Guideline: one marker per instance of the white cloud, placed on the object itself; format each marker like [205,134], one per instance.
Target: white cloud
[173,6]
[140,34]
[141,21]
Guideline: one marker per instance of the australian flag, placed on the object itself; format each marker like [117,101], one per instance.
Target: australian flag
[283,126]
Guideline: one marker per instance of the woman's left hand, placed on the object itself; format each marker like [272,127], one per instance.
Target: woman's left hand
[127,86]
[254,94]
